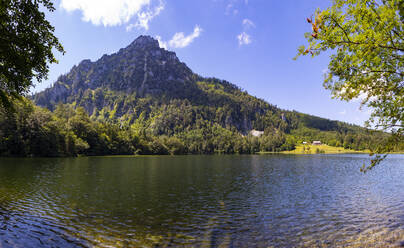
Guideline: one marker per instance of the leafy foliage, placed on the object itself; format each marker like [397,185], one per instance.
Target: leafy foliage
[26,46]
[367,61]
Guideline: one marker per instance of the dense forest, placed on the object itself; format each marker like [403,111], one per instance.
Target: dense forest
[143,100]
[68,131]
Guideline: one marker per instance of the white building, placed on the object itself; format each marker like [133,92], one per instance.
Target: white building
[256,133]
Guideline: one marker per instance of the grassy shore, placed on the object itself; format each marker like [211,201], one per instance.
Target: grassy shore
[314,149]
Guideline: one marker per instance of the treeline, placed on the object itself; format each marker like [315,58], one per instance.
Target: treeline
[349,139]
[30,130]
[176,128]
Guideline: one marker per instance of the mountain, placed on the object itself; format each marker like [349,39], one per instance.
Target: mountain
[142,76]
[142,67]
[144,100]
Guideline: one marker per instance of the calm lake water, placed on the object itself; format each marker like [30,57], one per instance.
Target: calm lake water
[201,201]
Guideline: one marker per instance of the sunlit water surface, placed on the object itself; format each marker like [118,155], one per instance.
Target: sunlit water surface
[202,201]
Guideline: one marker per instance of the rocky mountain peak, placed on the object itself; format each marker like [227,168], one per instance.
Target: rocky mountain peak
[142,67]
[145,42]
[147,46]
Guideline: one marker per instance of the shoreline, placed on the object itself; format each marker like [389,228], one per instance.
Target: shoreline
[299,150]
[214,154]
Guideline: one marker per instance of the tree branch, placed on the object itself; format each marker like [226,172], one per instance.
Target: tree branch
[361,43]
[343,30]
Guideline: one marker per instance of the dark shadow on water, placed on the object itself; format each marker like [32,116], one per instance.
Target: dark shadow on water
[25,231]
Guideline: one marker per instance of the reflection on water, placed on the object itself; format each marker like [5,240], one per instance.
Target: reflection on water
[202,201]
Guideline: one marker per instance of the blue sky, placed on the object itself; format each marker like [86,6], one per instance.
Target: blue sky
[250,43]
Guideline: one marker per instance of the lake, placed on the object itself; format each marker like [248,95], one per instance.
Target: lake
[202,201]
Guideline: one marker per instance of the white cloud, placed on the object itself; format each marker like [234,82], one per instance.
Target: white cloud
[179,40]
[247,23]
[343,112]
[230,9]
[162,43]
[116,12]
[243,39]
[145,17]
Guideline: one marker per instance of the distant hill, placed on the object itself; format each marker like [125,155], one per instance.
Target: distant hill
[143,99]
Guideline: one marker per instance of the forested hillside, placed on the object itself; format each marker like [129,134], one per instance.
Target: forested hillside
[143,100]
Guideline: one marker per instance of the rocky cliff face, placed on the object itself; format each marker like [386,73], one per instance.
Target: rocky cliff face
[141,67]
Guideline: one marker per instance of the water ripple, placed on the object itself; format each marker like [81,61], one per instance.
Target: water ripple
[202,201]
